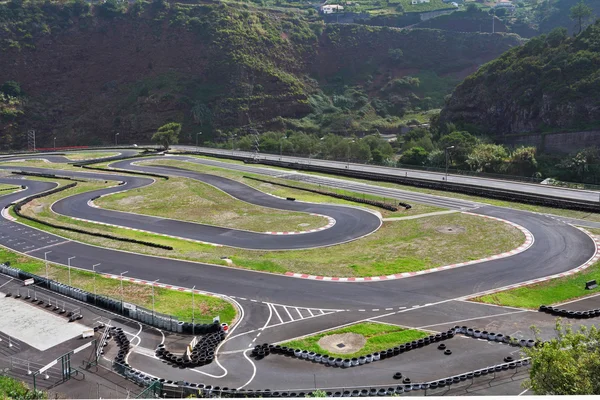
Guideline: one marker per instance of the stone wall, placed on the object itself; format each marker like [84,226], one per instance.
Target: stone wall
[555,142]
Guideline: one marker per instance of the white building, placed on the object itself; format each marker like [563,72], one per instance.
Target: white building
[331,8]
[415,2]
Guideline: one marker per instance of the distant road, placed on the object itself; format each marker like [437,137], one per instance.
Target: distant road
[531,188]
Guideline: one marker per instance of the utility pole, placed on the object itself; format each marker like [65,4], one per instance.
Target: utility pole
[447,148]
[95,293]
[122,273]
[69,265]
[197,134]
[46,261]
[116,134]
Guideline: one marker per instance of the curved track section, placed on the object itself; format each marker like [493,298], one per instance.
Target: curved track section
[351,223]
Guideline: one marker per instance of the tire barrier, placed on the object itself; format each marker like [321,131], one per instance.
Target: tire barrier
[203,353]
[17,208]
[162,321]
[50,176]
[333,194]
[171,389]
[561,312]
[124,171]
[261,351]
[111,158]
[13,188]
[496,337]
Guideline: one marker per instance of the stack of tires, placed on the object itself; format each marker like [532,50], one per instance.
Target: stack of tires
[261,351]
[203,352]
[495,337]
[123,344]
[561,312]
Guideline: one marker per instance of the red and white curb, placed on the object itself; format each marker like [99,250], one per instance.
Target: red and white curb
[582,267]
[331,222]
[529,240]
[160,285]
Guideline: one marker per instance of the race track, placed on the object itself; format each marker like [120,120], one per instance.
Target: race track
[558,247]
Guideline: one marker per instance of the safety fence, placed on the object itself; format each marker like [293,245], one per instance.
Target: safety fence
[159,320]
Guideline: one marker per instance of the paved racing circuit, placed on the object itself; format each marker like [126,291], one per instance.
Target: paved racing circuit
[275,308]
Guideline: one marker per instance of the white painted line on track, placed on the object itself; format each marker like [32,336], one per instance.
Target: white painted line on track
[473,319]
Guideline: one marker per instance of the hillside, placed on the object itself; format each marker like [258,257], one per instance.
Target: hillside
[88,72]
[550,83]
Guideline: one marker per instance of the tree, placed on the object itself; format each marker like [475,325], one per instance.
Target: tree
[414,156]
[568,364]
[463,143]
[437,158]
[523,162]
[487,158]
[167,134]
[580,13]
[11,88]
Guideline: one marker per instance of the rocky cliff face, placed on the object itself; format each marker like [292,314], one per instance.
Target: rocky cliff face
[550,83]
[89,73]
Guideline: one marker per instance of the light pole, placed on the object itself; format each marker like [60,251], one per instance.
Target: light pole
[281,146]
[122,273]
[232,138]
[69,265]
[197,134]
[46,261]
[153,283]
[116,134]
[193,312]
[446,151]
[55,143]
[95,294]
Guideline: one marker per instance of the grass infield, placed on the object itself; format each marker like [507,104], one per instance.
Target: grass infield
[379,337]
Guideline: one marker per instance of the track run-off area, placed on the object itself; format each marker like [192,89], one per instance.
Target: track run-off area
[274,308]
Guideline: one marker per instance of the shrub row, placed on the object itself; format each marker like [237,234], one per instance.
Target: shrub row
[570,313]
[124,171]
[336,195]
[261,351]
[20,204]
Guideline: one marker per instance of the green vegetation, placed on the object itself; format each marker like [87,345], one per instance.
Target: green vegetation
[565,364]
[543,78]
[399,246]
[11,388]
[191,200]
[173,302]
[547,293]
[167,134]
[88,155]
[379,337]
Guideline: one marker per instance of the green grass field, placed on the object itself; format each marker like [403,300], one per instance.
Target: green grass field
[501,203]
[194,201]
[399,246]
[178,304]
[89,155]
[379,337]
[547,293]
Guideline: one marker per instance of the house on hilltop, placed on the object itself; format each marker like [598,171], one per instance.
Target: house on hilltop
[331,8]
[415,2]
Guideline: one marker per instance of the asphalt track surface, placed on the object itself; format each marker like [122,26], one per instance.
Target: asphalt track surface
[558,247]
[587,195]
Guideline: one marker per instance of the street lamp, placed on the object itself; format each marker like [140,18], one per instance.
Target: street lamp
[153,283]
[197,134]
[281,146]
[116,134]
[46,261]
[446,151]
[69,265]
[95,294]
[232,137]
[55,143]
[122,273]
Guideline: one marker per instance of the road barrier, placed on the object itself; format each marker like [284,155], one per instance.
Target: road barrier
[333,194]
[561,312]
[159,320]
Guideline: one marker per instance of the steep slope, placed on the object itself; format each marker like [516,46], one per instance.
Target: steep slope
[550,83]
[90,72]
